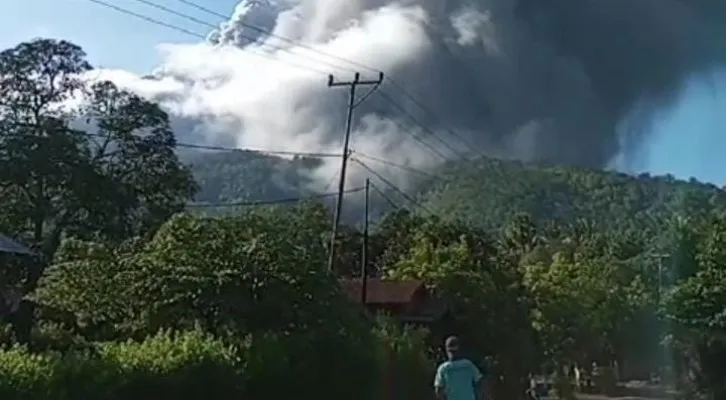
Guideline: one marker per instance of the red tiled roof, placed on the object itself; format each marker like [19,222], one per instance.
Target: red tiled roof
[382,291]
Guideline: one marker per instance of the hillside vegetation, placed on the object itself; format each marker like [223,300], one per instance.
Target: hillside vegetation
[226,177]
[485,193]
[488,192]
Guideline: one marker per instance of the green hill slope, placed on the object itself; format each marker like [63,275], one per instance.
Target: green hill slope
[484,192]
[487,192]
[228,177]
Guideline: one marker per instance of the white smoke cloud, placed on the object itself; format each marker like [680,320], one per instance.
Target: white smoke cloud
[257,93]
[473,27]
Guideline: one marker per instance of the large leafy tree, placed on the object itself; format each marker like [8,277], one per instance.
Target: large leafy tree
[115,176]
[695,306]
[258,271]
[38,153]
[582,307]
[89,285]
[140,181]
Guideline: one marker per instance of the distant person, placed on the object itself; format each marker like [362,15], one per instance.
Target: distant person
[532,392]
[458,378]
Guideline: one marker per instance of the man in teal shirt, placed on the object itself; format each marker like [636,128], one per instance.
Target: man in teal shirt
[458,378]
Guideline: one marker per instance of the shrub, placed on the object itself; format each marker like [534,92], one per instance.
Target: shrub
[350,363]
[306,366]
[50,336]
[407,367]
[185,366]
[46,336]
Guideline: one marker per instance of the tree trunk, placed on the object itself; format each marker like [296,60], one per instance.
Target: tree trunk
[562,388]
[22,321]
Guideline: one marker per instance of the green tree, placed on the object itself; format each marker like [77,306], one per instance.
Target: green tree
[139,180]
[696,309]
[38,153]
[89,284]
[586,302]
[118,178]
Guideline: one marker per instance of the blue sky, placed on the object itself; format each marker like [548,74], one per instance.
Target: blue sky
[110,38]
[689,139]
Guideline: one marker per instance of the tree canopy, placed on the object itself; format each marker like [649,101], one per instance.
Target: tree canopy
[103,167]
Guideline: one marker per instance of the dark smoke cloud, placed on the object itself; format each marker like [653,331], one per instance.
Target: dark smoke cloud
[532,79]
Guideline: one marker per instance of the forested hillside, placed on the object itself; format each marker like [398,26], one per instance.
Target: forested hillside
[488,192]
[485,193]
[226,177]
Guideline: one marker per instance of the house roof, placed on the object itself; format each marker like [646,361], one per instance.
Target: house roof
[382,291]
[8,245]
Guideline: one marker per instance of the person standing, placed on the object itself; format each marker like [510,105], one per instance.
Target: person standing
[458,378]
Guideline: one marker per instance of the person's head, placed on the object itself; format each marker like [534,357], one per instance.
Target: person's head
[453,347]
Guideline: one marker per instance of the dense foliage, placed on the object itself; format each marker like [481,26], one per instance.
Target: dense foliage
[488,192]
[106,167]
[544,267]
[187,366]
[228,177]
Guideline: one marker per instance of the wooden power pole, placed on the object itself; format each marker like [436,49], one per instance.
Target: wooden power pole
[364,252]
[352,85]
[660,258]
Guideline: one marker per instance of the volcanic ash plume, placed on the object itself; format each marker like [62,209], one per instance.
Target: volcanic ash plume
[531,79]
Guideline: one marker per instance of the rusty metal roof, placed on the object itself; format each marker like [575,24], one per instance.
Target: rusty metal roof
[382,291]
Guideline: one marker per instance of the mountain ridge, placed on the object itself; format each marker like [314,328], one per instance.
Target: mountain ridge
[484,192]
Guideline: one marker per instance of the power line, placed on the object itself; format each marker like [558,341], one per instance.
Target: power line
[332,181]
[251,150]
[424,109]
[282,38]
[211,25]
[396,165]
[147,18]
[391,185]
[403,110]
[177,13]
[221,148]
[404,168]
[368,93]
[199,35]
[272,202]
[403,128]
[385,197]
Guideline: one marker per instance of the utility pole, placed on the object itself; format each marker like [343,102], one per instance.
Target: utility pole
[660,279]
[658,300]
[364,252]
[353,85]
[660,258]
